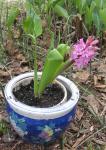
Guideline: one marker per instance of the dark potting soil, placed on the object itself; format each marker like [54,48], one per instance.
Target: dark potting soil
[52,95]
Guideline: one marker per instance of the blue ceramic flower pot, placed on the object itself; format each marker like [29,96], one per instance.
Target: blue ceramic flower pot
[40,125]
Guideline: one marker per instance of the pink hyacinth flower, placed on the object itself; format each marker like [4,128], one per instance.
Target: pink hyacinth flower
[84,52]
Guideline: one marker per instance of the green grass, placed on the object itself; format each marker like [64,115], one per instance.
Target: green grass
[3,127]
[2,55]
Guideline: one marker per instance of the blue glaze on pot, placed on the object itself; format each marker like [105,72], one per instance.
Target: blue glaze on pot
[39,131]
[40,125]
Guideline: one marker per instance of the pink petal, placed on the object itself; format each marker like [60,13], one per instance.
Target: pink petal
[89,40]
[84,52]
[95,42]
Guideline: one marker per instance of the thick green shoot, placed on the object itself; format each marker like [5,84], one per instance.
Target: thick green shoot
[53,66]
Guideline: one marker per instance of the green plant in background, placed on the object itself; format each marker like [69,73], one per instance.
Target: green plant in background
[57,6]
[58,58]
[2,54]
[32,26]
[49,6]
[3,127]
[93,12]
[13,13]
[2,50]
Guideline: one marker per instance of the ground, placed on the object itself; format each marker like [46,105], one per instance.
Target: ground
[88,129]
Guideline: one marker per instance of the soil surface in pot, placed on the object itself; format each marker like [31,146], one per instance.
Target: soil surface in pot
[52,95]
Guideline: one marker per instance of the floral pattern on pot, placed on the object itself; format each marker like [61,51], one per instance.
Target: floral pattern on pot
[39,131]
[19,125]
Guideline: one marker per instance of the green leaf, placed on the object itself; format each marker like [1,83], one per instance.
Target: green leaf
[32,24]
[13,13]
[53,62]
[102,14]
[63,49]
[89,2]
[100,3]
[37,25]
[53,66]
[60,11]
[36,83]
[93,6]
[59,2]
[28,25]
[52,3]
[80,5]
[96,21]
[88,17]
[83,2]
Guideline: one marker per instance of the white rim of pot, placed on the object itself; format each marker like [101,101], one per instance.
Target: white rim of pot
[26,81]
[41,113]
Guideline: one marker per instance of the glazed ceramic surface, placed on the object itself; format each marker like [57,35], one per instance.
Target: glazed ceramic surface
[39,131]
[41,125]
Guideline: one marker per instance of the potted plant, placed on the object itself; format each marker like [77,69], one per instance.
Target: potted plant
[40,125]
[42,104]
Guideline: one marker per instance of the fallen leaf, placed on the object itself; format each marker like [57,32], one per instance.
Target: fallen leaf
[103,111]
[74,127]
[9,46]
[19,70]
[103,90]
[20,57]
[1,94]
[15,64]
[79,114]
[16,34]
[78,141]
[103,96]
[4,73]
[100,142]
[45,42]
[102,86]
[91,128]
[86,124]
[4,117]
[25,69]
[95,80]
[44,23]
[91,100]
[100,81]
[8,138]
[81,76]
[95,65]
[102,68]
[1,117]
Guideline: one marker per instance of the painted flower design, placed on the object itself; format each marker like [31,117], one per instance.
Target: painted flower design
[84,51]
[19,125]
[46,133]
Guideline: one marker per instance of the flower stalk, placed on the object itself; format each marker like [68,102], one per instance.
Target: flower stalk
[56,61]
